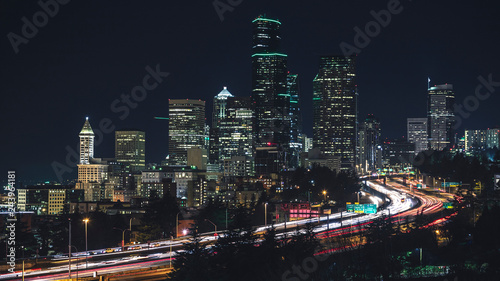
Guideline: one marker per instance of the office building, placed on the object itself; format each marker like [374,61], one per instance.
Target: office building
[398,154]
[417,133]
[441,116]
[296,138]
[186,128]
[44,199]
[130,149]
[370,150]
[236,129]
[269,89]
[477,140]
[335,109]
[220,105]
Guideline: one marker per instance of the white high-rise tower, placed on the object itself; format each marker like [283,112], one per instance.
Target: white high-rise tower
[86,143]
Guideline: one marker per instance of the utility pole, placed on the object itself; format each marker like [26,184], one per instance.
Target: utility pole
[265,214]
[69,247]
[22,248]
[171,241]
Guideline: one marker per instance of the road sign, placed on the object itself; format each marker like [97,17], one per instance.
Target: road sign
[497,182]
[359,208]
[448,205]
[370,208]
[450,184]
[349,207]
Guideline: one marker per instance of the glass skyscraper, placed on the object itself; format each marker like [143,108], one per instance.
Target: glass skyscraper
[296,140]
[441,116]
[417,133]
[370,149]
[130,149]
[186,129]
[235,131]
[335,109]
[269,88]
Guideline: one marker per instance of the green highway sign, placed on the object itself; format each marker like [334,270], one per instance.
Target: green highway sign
[349,207]
[370,208]
[448,205]
[450,184]
[359,208]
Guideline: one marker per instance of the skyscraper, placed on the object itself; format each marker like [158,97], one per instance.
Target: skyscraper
[269,88]
[296,138]
[218,114]
[441,116]
[335,109]
[417,133]
[86,143]
[130,149]
[235,131]
[220,104]
[370,149]
[91,173]
[186,128]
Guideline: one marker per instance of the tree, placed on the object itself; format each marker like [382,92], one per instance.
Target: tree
[191,264]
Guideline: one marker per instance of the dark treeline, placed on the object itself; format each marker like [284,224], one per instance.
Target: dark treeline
[389,249]
[460,168]
[241,254]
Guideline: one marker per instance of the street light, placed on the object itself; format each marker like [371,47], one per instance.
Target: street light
[171,241]
[213,225]
[69,247]
[265,214]
[324,193]
[123,236]
[86,221]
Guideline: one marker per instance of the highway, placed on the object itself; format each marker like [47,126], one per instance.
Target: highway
[403,203]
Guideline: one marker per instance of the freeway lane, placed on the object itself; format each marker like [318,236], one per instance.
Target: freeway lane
[114,262]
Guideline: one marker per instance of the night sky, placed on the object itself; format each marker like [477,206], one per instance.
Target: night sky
[92,52]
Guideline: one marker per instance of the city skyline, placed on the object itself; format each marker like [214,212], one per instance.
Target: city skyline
[60,101]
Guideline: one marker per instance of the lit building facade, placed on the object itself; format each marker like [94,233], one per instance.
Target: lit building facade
[130,149]
[296,138]
[186,128]
[370,150]
[44,199]
[269,89]
[441,116]
[335,109]
[236,129]
[86,143]
[417,133]
[220,105]
[476,140]
[239,166]
[398,154]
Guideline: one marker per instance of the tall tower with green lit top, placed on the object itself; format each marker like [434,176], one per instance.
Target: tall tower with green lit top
[269,89]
